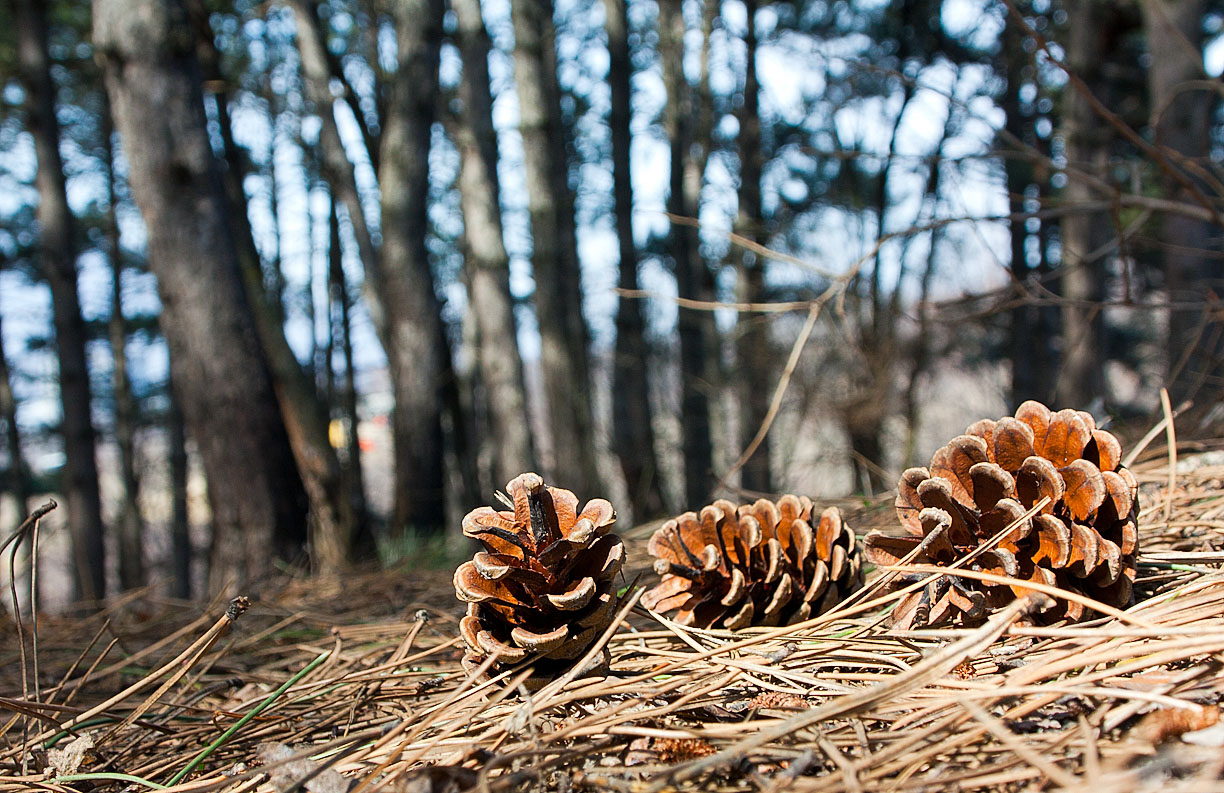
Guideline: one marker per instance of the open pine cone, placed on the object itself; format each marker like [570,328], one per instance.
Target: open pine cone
[1084,540]
[758,564]
[543,587]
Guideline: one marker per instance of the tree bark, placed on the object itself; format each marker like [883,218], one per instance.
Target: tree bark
[131,526]
[341,327]
[152,76]
[554,255]
[399,282]
[696,364]
[633,434]
[58,246]
[332,523]
[487,266]
[1082,233]
[418,352]
[752,332]
[335,165]
[1031,341]
[17,474]
[15,477]
[180,525]
[1182,118]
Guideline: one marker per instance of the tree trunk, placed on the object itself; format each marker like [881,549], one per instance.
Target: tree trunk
[334,163]
[274,278]
[131,526]
[341,327]
[1182,118]
[487,266]
[399,282]
[554,255]
[921,353]
[18,475]
[15,476]
[331,521]
[1031,342]
[58,245]
[632,428]
[180,524]
[418,352]
[258,503]
[755,371]
[696,364]
[1082,270]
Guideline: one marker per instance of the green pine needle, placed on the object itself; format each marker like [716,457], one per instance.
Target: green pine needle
[260,708]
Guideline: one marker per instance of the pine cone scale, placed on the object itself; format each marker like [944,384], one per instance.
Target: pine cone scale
[539,642]
[1012,443]
[1107,451]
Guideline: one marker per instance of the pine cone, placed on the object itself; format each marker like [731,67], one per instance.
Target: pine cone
[758,564]
[543,588]
[1084,540]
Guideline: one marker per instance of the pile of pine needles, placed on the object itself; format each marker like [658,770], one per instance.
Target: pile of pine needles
[355,685]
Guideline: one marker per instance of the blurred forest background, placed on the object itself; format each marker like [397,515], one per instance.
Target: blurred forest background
[296,283]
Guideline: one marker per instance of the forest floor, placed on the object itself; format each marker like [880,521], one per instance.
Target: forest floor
[355,685]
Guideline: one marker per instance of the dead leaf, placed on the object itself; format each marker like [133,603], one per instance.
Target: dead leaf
[286,774]
[69,759]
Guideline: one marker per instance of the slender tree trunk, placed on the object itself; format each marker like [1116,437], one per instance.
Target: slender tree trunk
[1082,233]
[554,256]
[1048,326]
[632,428]
[419,354]
[274,280]
[337,289]
[335,265]
[920,357]
[1031,353]
[131,526]
[17,474]
[152,76]
[334,163]
[180,524]
[696,367]
[58,245]
[1182,117]
[311,365]
[873,376]
[399,282]
[487,265]
[331,521]
[756,369]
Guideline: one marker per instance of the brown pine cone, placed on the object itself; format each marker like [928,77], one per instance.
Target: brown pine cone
[1084,540]
[543,587]
[758,564]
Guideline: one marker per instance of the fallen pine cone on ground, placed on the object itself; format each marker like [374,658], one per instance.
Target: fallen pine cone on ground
[1084,540]
[543,587]
[757,564]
